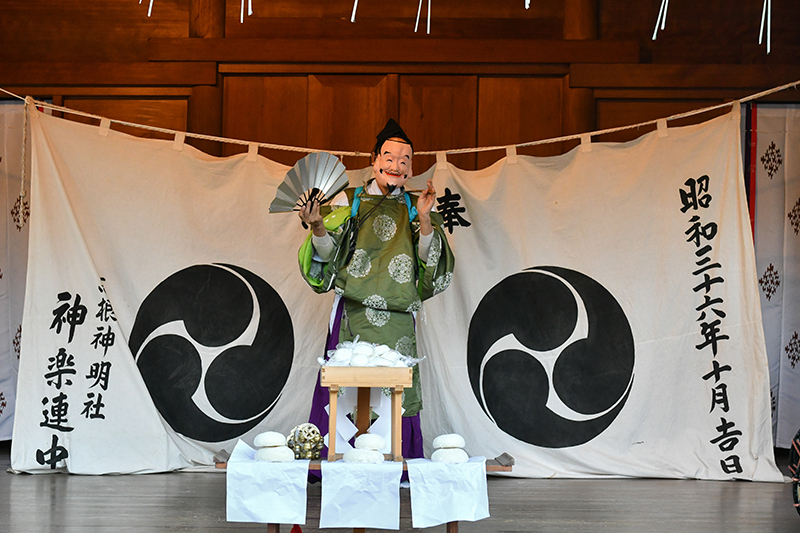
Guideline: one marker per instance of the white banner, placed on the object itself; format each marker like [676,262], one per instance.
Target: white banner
[603,318]
[777,235]
[167,314]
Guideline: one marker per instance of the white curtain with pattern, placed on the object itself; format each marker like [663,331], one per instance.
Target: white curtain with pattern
[777,237]
[13,258]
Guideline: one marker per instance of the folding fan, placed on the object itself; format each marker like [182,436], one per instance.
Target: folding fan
[318,176]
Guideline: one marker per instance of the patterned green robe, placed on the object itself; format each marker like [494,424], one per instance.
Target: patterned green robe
[385,282]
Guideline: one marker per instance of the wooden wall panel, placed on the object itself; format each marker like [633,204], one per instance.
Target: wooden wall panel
[614,113]
[516,110]
[87,30]
[270,109]
[161,113]
[346,112]
[437,113]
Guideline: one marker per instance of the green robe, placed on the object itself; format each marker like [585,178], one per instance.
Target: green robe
[384,282]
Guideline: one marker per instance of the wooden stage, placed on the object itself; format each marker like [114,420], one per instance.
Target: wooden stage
[196,502]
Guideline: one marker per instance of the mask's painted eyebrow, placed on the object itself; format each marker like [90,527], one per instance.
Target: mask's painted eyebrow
[387,152]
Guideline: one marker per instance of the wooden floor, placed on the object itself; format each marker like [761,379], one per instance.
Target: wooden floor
[196,502]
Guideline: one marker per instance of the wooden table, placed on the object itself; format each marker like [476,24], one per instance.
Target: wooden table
[396,379]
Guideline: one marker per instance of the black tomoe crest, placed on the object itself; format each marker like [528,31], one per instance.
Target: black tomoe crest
[550,357]
[214,345]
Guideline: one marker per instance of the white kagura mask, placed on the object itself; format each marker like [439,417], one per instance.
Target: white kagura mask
[392,165]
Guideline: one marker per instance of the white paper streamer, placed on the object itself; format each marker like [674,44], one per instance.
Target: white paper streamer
[149,9]
[766,17]
[429,17]
[419,11]
[249,10]
[662,17]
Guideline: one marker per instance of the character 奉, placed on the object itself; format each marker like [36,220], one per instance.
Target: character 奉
[383,251]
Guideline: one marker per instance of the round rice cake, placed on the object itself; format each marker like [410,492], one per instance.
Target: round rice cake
[451,440]
[269,439]
[275,454]
[368,441]
[363,456]
[450,455]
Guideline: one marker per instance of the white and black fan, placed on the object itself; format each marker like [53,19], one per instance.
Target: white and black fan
[318,176]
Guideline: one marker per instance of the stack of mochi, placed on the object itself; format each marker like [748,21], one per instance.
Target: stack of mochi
[272,447]
[368,450]
[449,449]
[359,353]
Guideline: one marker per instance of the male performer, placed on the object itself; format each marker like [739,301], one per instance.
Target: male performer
[383,251]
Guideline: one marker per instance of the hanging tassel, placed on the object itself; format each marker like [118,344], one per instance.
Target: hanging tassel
[662,17]
[22,193]
[766,17]
[296,529]
[353,16]
[21,210]
[527,4]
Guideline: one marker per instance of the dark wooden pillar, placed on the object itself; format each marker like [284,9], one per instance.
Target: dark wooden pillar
[579,111]
[206,20]
[581,19]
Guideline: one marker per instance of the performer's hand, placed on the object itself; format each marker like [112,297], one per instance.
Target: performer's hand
[310,214]
[424,206]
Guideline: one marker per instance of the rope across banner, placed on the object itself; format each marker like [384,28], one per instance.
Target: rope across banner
[577,136]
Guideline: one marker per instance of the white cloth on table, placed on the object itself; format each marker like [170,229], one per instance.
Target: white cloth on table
[442,492]
[360,495]
[260,491]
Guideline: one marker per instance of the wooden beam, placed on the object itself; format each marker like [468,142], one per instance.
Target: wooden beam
[691,94]
[392,50]
[554,70]
[287,27]
[40,92]
[107,74]
[682,76]
[670,94]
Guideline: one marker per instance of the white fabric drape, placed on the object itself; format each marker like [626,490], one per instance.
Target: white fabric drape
[603,318]
[777,238]
[13,259]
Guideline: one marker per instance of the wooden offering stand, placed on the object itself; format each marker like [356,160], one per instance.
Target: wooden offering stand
[364,378]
